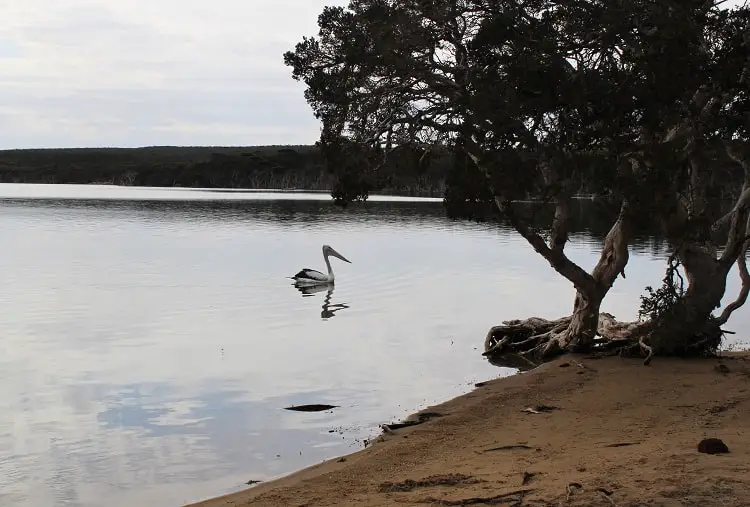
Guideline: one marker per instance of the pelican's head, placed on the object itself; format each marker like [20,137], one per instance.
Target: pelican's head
[328,250]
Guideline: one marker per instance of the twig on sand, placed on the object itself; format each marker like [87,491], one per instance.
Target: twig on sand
[508,448]
[513,496]
[539,409]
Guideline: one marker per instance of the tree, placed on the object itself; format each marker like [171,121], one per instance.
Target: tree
[643,102]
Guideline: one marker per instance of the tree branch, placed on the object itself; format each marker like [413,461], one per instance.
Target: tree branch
[744,199]
[615,253]
[739,214]
[744,277]
[744,291]
[559,233]
[556,257]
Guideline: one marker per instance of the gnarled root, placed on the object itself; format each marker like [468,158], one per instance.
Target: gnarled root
[525,343]
[532,339]
[538,339]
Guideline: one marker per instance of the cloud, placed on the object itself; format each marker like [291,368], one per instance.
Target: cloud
[138,72]
[145,72]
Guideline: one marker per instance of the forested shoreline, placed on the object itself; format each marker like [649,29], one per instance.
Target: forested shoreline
[282,167]
[258,167]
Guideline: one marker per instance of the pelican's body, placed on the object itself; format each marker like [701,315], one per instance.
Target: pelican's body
[309,276]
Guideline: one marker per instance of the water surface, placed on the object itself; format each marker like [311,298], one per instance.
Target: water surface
[150,338]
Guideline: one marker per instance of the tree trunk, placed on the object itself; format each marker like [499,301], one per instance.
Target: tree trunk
[686,327]
[582,329]
[706,276]
[689,324]
[540,339]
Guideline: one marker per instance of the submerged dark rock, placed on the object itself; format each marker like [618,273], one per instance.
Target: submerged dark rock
[311,408]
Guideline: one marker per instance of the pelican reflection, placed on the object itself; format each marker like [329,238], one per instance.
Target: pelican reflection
[328,309]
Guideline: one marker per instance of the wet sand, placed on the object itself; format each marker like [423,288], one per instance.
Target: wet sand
[605,432]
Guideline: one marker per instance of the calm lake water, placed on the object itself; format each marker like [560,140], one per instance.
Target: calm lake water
[149,338]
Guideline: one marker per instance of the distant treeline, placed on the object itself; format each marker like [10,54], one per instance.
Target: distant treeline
[258,167]
[272,167]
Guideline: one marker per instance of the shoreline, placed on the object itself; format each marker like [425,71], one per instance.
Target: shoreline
[485,445]
[378,195]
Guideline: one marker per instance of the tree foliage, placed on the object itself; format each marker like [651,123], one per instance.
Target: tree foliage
[547,94]
[645,102]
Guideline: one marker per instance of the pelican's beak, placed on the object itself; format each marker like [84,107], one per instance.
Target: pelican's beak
[336,254]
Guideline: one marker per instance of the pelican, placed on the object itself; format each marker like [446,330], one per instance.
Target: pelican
[312,277]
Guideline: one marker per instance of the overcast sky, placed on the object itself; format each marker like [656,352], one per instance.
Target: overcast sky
[152,72]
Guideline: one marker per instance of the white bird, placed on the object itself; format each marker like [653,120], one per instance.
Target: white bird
[313,277]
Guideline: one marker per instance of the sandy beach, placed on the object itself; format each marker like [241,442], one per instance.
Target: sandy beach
[578,431]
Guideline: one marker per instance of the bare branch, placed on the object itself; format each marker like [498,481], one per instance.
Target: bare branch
[743,201]
[739,214]
[744,277]
[744,291]
[615,253]
[557,258]
[559,233]
[646,348]
[736,237]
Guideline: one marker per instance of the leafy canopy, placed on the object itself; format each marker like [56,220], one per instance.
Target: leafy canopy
[534,97]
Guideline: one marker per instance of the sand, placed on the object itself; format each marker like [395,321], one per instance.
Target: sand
[620,434]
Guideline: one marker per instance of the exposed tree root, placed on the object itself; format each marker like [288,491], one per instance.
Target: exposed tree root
[539,339]
[535,340]
[522,337]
